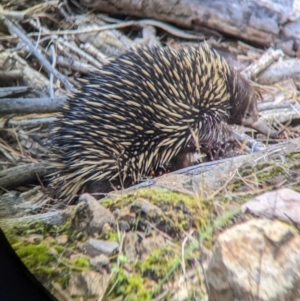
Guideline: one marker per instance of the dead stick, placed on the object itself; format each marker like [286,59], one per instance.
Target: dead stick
[14,29]
[15,176]
[31,105]
[262,63]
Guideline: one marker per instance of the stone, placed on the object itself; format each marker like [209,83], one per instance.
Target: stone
[283,204]
[89,283]
[131,241]
[99,261]
[146,207]
[94,247]
[62,239]
[256,260]
[151,243]
[99,215]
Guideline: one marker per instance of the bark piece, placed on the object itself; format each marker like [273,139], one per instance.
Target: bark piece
[21,174]
[257,21]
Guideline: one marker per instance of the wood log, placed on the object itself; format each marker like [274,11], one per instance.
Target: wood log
[21,174]
[261,22]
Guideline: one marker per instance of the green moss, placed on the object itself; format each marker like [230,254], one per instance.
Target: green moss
[59,249]
[136,289]
[81,262]
[47,270]
[111,236]
[236,184]
[178,213]
[32,255]
[39,257]
[156,196]
[271,172]
[296,165]
[262,165]
[131,286]
[245,171]
[38,227]
[293,155]
[157,265]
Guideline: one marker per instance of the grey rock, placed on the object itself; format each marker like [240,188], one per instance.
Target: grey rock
[100,215]
[95,247]
[257,260]
[99,261]
[88,283]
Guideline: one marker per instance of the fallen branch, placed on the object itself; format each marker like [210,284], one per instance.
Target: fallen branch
[261,22]
[15,176]
[53,218]
[280,71]
[14,29]
[253,70]
[31,105]
[29,122]
[8,91]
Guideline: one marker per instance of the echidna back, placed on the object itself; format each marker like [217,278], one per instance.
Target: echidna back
[137,113]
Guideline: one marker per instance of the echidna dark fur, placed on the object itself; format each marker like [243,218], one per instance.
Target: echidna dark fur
[140,111]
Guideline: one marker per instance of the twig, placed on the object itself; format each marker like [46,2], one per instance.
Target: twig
[39,36]
[74,65]
[15,30]
[166,27]
[271,106]
[31,122]
[283,115]
[92,50]
[80,52]
[52,50]
[33,11]
[63,12]
[71,62]
[262,63]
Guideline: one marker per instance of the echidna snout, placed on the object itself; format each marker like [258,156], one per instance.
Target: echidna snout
[244,109]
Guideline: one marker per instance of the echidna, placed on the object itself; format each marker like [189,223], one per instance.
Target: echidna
[141,111]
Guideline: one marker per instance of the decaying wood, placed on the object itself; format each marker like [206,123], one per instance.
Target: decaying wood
[14,29]
[216,177]
[10,75]
[279,71]
[262,63]
[51,217]
[31,105]
[21,174]
[28,123]
[208,174]
[30,77]
[257,21]
[10,91]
